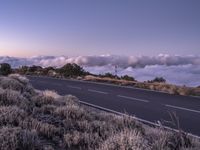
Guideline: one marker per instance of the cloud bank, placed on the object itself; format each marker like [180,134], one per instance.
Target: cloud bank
[182,70]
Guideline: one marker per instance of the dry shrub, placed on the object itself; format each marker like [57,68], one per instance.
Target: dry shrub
[43,129]
[29,91]
[120,122]
[179,140]
[45,114]
[8,138]
[196,91]
[126,121]
[49,119]
[20,78]
[16,138]
[52,94]
[103,128]
[83,126]
[100,128]
[70,100]
[185,91]
[161,139]
[11,115]
[28,140]
[45,109]
[41,100]
[17,83]
[71,112]
[158,138]
[195,144]
[125,140]
[10,97]
[81,140]
[9,83]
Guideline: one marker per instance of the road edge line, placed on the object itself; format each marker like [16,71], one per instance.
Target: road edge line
[136,118]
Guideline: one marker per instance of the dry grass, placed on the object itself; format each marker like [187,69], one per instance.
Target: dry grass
[46,121]
[109,80]
[125,140]
[13,138]
[164,87]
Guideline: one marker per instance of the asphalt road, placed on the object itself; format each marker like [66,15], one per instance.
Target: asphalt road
[148,105]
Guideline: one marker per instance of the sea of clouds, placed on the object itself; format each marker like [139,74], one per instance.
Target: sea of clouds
[181,70]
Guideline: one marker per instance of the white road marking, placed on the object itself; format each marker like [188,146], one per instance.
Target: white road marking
[182,108]
[132,98]
[101,92]
[74,87]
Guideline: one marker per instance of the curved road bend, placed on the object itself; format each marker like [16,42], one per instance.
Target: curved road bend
[148,105]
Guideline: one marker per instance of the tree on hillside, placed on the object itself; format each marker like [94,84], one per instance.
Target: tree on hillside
[35,69]
[158,79]
[5,69]
[128,78]
[72,70]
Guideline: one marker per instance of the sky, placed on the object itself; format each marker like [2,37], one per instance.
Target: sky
[95,27]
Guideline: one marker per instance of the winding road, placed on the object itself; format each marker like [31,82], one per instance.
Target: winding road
[148,105]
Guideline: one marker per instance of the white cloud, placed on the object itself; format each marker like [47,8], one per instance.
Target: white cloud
[176,69]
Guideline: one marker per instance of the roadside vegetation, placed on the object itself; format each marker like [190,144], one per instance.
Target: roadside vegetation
[44,120]
[76,72]
[5,69]
[157,84]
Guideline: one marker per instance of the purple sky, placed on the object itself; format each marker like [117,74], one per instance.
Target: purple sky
[93,27]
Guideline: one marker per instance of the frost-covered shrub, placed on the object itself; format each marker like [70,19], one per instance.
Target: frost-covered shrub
[10,97]
[72,111]
[9,83]
[20,78]
[126,140]
[11,115]
[81,140]
[52,94]
[41,100]
[8,138]
[17,138]
[43,129]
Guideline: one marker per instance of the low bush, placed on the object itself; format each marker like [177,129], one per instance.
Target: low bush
[5,69]
[158,80]
[125,140]
[128,78]
[18,139]
[11,115]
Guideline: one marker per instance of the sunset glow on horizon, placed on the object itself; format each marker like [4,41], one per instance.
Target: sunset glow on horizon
[88,27]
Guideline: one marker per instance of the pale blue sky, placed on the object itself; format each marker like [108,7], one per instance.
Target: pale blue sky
[93,27]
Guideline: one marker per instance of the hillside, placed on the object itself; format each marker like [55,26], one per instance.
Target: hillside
[44,120]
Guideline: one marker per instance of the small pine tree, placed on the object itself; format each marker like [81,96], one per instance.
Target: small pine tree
[159,80]
[128,78]
[5,69]
[71,70]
